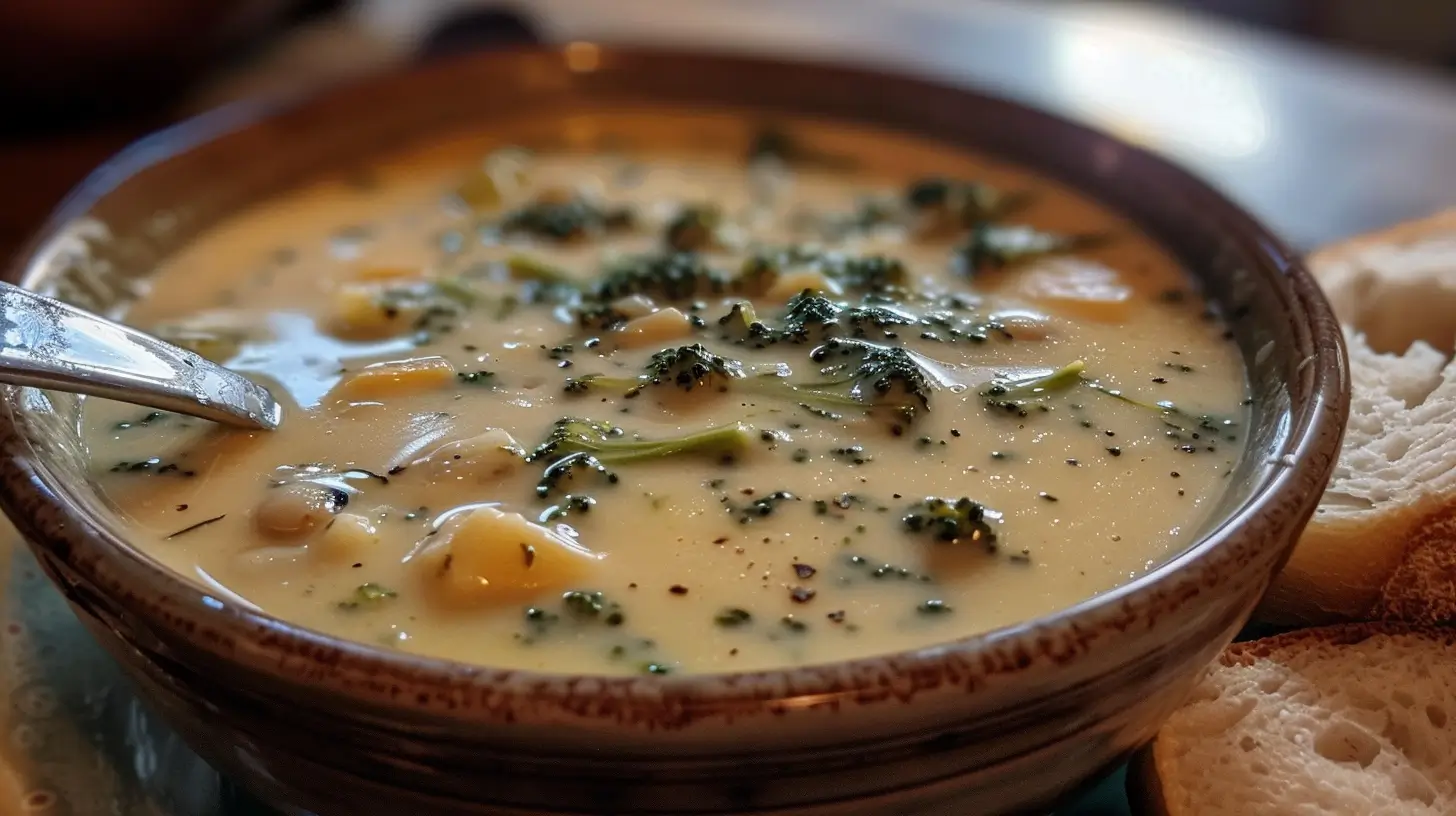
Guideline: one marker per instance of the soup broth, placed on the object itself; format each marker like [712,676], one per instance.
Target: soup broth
[666,393]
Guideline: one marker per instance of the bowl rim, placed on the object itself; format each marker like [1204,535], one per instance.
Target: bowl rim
[1313,438]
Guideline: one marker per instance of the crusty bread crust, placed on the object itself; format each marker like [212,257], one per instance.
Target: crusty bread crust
[1405,232]
[1344,634]
[1398,560]
[1392,310]
[1145,786]
[1423,588]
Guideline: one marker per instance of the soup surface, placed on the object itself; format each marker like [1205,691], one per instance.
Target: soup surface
[673,393]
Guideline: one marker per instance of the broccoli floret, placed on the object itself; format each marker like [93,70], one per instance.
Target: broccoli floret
[953,520]
[687,367]
[693,366]
[694,228]
[993,247]
[565,219]
[673,276]
[808,309]
[862,376]
[809,316]
[870,373]
[961,203]
[869,273]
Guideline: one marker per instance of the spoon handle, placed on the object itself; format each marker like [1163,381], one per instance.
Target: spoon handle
[49,344]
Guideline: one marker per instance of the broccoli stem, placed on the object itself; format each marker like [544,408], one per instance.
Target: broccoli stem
[526,268]
[723,440]
[1014,391]
[1021,388]
[587,446]
[1170,413]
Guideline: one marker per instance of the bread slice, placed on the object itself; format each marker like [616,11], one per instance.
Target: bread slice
[1352,719]
[1383,542]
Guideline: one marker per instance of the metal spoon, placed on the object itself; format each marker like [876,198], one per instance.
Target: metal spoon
[49,344]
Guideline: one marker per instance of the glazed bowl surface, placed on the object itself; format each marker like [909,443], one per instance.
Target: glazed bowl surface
[1009,721]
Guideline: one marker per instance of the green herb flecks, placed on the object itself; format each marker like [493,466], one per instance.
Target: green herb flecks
[733,618]
[145,421]
[194,527]
[762,507]
[1173,415]
[367,595]
[571,505]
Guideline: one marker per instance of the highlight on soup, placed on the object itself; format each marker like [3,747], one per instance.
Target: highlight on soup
[665,392]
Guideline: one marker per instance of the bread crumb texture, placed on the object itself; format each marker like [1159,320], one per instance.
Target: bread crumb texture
[1383,542]
[1350,719]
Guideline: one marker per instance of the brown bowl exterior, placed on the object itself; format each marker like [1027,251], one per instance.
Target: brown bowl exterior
[1008,721]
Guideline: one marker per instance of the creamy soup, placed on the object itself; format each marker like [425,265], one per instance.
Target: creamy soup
[674,393]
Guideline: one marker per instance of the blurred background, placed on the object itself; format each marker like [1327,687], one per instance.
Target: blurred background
[1325,117]
[120,54]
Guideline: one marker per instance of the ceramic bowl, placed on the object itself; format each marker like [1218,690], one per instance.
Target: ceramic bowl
[1008,721]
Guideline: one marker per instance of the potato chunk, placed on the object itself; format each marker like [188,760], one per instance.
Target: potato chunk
[489,557]
[662,326]
[346,539]
[294,511]
[634,306]
[792,283]
[1077,288]
[360,313]
[391,273]
[487,457]
[396,378]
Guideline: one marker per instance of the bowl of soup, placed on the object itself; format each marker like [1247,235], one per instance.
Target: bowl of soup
[675,434]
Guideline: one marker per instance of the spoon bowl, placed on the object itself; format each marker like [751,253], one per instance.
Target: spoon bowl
[48,344]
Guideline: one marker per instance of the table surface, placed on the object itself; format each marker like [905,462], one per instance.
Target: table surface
[1320,144]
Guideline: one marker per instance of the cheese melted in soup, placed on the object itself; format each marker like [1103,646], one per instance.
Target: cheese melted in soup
[667,393]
